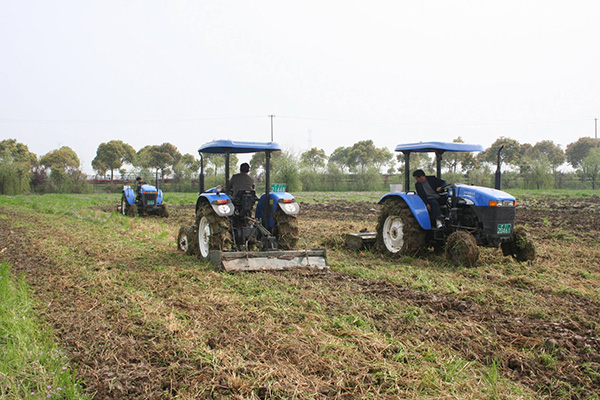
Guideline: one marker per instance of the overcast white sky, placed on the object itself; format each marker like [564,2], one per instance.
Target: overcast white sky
[79,73]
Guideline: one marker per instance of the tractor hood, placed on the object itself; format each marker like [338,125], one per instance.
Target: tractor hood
[148,188]
[483,196]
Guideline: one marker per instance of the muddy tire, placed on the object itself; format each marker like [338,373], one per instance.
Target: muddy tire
[521,247]
[164,211]
[187,241]
[213,232]
[285,229]
[461,249]
[124,205]
[398,231]
[130,209]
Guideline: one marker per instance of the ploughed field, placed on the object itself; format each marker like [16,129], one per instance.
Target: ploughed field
[140,320]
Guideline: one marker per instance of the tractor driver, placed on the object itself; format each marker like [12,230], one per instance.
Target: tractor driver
[138,187]
[241,181]
[429,188]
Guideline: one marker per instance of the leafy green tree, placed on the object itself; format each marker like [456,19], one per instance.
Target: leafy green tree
[313,159]
[160,157]
[590,165]
[65,175]
[341,158]
[536,172]
[362,155]
[554,154]
[16,163]
[578,150]
[258,161]
[112,155]
[511,153]
[417,161]
[216,163]
[286,170]
[383,157]
[62,159]
[456,161]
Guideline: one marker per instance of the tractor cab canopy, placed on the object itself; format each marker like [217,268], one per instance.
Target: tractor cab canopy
[438,148]
[227,147]
[232,146]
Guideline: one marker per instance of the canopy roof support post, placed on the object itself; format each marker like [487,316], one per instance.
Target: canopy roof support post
[406,170]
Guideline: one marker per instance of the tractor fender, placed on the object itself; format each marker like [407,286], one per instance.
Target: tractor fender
[129,195]
[284,200]
[159,197]
[416,204]
[220,203]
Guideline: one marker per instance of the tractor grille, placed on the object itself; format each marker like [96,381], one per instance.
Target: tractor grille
[150,198]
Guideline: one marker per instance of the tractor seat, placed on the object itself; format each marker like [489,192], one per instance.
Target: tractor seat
[244,200]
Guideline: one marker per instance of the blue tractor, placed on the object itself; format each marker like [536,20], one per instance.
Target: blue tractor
[472,216]
[143,200]
[244,232]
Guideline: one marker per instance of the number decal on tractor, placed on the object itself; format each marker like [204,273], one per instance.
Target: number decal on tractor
[503,229]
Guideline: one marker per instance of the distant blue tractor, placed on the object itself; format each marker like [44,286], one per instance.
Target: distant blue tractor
[237,237]
[472,216]
[147,201]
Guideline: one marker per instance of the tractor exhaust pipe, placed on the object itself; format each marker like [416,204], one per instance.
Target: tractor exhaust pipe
[498,180]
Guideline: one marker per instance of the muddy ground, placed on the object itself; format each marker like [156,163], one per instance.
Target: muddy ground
[144,366]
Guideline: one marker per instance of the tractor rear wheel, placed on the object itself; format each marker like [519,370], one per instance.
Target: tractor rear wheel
[213,232]
[398,231]
[521,246]
[285,229]
[461,249]
[186,240]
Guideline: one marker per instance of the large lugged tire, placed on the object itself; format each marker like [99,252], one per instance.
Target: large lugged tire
[187,241]
[521,246]
[398,231]
[213,232]
[124,205]
[127,209]
[461,249]
[285,229]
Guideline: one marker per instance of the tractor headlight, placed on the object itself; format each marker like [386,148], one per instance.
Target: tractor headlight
[502,203]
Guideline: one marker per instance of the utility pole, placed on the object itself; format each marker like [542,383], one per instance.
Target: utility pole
[271,116]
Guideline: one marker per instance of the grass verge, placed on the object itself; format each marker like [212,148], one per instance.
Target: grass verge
[31,365]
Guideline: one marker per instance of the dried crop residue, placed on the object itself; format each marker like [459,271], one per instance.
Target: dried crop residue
[164,326]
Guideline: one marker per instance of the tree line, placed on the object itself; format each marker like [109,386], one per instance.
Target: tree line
[362,166]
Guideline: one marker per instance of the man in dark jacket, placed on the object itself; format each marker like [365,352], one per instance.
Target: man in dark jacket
[241,181]
[429,188]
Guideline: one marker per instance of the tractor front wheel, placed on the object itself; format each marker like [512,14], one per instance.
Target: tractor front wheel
[461,249]
[213,232]
[521,246]
[186,240]
[285,229]
[398,231]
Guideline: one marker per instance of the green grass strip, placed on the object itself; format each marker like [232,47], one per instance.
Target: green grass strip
[31,364]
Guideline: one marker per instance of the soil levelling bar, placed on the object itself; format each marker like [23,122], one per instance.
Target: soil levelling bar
[277,260]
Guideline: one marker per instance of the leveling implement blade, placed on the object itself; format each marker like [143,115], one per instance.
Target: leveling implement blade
[276,260]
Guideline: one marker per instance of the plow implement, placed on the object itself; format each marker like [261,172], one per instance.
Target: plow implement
[274,260]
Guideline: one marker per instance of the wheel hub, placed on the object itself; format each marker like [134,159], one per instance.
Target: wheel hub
[393,234]
[204,237]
